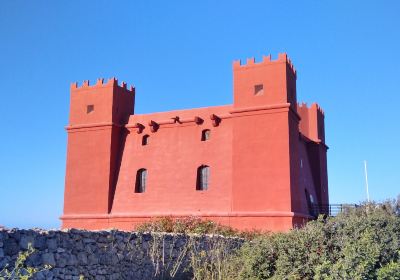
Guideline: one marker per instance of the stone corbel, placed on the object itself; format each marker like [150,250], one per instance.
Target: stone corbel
[198,120]
[140,127]
[215,120]
[153,126]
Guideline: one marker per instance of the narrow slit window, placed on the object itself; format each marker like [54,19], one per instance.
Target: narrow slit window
[89,109]
[141,181]
[205,135]
[310,203]
[259,89]
[145,140]
[203,177]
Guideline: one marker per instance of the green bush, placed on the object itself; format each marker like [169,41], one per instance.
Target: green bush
[256,259]
[20,270]
[359,243]
[186,225]
[390,271]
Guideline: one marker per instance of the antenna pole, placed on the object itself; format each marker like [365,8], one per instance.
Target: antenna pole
[366,178]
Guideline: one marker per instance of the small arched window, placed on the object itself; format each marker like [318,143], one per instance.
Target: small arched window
[145,140]
[141,180]
[203,177]
[205,135]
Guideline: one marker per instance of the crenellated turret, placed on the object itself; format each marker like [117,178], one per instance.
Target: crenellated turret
[101,103]
[267,59]
[266,83]
[312,123]
[97,117]
[100,83]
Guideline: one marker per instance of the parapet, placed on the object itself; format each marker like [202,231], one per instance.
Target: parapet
[312,124]
[314,107]
[282,57]
[100,83]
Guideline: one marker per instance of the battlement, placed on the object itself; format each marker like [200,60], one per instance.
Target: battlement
[100,83]
[314,107]
[312,124]
[267,59]
[103,102]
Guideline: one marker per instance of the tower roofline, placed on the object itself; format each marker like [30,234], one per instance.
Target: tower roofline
[100,83]
[266,59]
[315,105]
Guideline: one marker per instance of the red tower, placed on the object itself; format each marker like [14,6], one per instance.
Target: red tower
[258,163]
[97,116]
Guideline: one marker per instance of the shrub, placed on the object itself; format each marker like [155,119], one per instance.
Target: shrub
[20,271]
[263,265]
[390,271]
[186,225]
[360,243]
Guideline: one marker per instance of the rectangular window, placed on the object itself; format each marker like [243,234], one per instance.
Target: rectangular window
[259,89]
[89,109]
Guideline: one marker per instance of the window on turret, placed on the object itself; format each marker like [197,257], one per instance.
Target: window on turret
[89,109]
[145,140]
[203,176]
[310,203]
[259,89]
[141,180]
[205,135]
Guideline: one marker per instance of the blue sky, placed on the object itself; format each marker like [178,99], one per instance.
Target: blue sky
[179,54]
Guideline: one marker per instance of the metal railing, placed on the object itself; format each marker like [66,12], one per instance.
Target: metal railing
[329,209]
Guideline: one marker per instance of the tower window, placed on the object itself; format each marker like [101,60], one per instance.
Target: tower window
[259,89]
[141,180]
[203,176]
[89,109]
[145,140]
[205,135]
[310,203]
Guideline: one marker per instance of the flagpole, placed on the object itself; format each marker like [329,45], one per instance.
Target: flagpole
[366,179]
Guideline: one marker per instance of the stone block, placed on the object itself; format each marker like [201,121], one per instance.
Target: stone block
[25,241]
[40,242]
[48,258]
[72,260]
[51,245]
[93,259]
[10,247]
[35,259]
[82,258]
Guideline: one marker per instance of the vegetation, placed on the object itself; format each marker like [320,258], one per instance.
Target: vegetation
[186,225]
[19,270]
[194,225]
[360,243]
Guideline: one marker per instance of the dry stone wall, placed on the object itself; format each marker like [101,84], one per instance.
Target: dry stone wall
[109,254]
